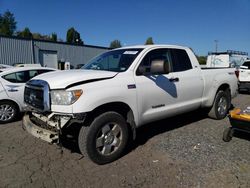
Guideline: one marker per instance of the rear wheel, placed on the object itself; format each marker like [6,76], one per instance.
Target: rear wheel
[8,111]
[105,139]
[221,105]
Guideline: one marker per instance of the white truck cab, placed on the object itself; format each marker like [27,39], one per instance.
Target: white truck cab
[244,76]
[121,90]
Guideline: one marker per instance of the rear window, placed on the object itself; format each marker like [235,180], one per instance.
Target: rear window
[247,64]
[181,60]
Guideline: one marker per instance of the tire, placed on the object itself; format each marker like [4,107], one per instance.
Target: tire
[221,105]
[8,111]
[105,139]
[228,134]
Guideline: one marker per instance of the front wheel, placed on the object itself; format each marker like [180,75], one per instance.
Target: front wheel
[105,139]
[221,105]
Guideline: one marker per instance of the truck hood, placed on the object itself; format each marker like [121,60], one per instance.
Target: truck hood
[69,78]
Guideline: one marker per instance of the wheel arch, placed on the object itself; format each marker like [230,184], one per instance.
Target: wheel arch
[219,109]
[211,97]
[119,107]
[12,101]
[223,87]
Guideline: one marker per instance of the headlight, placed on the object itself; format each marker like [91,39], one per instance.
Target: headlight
[62,97]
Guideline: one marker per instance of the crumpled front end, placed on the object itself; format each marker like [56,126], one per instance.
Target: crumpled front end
[49,127]
[47,135]
[41,121]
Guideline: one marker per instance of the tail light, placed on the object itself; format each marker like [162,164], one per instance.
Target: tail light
[237,73]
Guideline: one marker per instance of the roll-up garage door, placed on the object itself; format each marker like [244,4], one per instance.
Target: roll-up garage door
[48,58]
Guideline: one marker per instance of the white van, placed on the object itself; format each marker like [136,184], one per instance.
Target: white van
[226,59]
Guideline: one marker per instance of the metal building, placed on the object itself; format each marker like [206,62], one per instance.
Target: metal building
[47,53]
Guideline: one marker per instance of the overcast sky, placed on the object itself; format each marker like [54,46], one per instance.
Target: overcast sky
[193,23]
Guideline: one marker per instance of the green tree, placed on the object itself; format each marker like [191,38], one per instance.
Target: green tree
[7,24]
[41,37]
[149,41]
[115,44]
[73,36]
[202,59]
[54,37]
[25,33]
[37,36]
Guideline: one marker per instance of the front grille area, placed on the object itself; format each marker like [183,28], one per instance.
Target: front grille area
[36,95]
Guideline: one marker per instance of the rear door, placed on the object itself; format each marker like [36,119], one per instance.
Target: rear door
[190,83]
[14,85]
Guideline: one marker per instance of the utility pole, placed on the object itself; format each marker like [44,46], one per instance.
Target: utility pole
[216,45]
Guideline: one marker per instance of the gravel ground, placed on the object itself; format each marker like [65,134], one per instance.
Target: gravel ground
[185,151]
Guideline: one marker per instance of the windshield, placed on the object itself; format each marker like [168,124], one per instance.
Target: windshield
[116,60]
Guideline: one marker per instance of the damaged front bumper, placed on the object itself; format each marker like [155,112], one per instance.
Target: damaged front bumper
[49,127]
[39,132]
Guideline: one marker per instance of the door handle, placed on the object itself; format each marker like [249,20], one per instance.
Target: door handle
[174,79]
[13,90]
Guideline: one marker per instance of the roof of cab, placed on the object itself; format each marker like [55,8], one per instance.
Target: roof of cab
[154,46]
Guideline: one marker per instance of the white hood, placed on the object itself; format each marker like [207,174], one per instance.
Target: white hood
[63,79]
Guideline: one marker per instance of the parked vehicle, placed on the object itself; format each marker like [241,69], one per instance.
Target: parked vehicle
[244,76]
[12,82]
[121,90]
[3,66]
[27,65]
[229,58]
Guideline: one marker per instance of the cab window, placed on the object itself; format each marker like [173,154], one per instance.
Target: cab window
[247,64]
[157,54]
[181,61]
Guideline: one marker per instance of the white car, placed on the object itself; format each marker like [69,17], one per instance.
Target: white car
[12,82]
[244,76]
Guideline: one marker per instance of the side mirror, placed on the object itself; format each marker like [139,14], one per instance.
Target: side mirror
[159,67]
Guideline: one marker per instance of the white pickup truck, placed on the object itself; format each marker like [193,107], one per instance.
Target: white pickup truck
[121,90]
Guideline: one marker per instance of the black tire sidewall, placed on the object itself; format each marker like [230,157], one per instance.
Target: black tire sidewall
[14,106]
[91,132]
